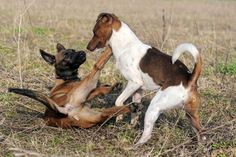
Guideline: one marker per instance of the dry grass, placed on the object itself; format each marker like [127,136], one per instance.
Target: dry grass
[210,25]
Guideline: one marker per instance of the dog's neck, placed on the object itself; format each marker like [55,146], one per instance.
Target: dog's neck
[62,76]
[121,39]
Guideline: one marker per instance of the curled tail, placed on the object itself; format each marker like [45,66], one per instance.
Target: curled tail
[35,95]
[187,47]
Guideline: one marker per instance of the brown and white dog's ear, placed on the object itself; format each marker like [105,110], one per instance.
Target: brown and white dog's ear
[60,47]
[106,18]
[50,59]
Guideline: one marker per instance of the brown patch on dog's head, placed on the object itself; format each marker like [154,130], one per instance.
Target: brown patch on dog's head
[102,30]
[66,61]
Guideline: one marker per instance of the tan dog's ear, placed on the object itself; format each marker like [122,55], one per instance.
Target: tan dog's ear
[50,59]
[60,47]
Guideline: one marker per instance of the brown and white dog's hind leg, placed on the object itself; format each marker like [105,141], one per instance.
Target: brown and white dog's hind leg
[192,112]
[168,98]
[151,116]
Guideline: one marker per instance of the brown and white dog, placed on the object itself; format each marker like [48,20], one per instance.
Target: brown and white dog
[147,68]
[65,105]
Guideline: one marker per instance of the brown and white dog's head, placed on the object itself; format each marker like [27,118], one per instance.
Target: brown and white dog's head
[102,30]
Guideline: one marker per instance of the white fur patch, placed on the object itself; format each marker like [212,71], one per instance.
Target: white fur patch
[148,83]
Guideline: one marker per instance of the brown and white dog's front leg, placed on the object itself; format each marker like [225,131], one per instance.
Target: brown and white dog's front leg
[129,90]
[136,99]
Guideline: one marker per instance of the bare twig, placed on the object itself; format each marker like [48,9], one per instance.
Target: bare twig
[21,15]
[18,51]
[166,31]
[30,21]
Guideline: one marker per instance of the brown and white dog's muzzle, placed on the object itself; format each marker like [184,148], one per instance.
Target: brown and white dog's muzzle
[93,44]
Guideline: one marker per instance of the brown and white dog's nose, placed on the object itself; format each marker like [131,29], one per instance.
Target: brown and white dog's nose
[92,45]
[89,47]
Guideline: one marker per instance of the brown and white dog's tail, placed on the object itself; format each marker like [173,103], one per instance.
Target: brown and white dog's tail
[187,47]
[36,96]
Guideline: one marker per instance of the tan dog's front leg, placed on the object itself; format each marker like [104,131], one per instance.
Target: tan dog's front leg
[101,62]
[89,83]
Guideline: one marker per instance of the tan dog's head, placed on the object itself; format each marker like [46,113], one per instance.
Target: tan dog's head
[102,30]
[66,61]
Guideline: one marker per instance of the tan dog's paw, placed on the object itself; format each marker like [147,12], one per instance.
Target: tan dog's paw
[134,120]
[119,118]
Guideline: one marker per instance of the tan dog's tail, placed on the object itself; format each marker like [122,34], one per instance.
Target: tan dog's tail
[115,111]
[197,59]
[36,96]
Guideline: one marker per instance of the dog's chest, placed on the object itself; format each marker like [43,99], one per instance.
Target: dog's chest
[129,68]
[128,64]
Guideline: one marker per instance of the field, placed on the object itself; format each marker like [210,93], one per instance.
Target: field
[29,25]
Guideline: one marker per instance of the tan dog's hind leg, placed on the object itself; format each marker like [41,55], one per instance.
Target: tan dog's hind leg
[88,117]
[83,118]
[102,90]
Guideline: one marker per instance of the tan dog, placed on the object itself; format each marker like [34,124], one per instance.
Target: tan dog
[147,68]
[65,105]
